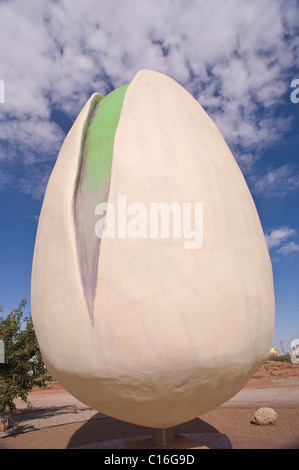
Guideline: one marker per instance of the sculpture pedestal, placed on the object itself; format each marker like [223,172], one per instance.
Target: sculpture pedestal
[163,439]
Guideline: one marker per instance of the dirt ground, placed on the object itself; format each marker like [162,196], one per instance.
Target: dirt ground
[226,427]
[274,370]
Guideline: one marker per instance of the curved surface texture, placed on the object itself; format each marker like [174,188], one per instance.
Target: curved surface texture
[175,331]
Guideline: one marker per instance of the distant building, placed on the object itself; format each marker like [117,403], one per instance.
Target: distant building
[295,353]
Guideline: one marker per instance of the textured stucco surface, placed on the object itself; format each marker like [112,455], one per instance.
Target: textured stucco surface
[176,332]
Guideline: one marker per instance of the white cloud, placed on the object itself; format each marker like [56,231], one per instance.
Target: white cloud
[278,241]
[289,248]
[276,182]
[278,235]
[37,190]
[232,56]
[246,161]
[35,138]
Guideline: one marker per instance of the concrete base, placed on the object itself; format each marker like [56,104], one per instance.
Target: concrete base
[178,442]
[200,441]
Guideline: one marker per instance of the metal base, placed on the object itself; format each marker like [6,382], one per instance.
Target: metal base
[162,437]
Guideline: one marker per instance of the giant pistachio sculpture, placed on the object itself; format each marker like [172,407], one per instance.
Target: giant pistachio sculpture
[143,329]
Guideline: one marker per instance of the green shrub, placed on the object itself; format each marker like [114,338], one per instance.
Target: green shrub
[23,368]
[281,358]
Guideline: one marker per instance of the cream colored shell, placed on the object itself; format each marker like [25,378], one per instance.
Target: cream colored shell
[176,332]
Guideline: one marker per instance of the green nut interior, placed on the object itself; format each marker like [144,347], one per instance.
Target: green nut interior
[93,184]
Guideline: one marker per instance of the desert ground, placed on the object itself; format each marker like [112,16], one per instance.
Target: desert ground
[59,421]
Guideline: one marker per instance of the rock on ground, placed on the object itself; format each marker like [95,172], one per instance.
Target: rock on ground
[264,416]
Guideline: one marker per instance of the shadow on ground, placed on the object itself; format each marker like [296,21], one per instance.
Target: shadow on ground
[99,430]
[24,421]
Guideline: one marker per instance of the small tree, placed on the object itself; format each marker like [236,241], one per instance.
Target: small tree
[23,368]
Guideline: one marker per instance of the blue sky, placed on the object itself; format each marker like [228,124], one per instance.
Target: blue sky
[237,58]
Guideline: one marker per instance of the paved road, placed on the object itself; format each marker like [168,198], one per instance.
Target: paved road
[51,400]
[283,393]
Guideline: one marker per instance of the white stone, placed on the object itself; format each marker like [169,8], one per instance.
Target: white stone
[264,416]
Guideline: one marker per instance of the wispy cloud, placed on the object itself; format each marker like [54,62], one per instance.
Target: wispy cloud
[289,248]
[277,182]
[40,177]
[233,56]
[277,236]
[278,241]
[5,179]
